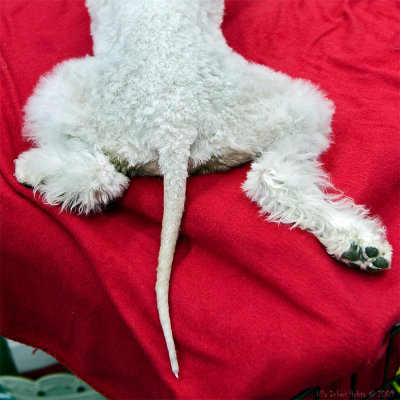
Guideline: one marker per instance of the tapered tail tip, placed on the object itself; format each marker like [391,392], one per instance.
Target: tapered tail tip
[175,369]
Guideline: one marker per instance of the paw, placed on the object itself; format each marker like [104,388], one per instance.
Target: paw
[358,241]
[369,258]
[26,171]
[20,172]
[79,181]
[82,192]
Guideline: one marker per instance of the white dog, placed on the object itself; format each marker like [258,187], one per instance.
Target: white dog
[164,95]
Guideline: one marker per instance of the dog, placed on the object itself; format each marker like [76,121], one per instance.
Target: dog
[164,95]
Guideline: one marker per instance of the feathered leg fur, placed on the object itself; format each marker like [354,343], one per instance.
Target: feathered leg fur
[77,177]
[290,187]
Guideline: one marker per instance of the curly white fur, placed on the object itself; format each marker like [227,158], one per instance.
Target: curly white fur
[165,95]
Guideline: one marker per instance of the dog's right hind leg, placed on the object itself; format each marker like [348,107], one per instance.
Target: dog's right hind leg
[290,186]
[78,177]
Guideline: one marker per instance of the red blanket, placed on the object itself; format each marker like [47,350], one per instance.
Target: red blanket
[257,309]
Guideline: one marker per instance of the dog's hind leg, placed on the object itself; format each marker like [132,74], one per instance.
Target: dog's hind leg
[79,177]
[289,185]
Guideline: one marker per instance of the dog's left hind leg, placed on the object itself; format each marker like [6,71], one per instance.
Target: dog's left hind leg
[289,186]
[79,177]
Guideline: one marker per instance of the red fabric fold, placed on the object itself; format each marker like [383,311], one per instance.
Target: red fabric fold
[258,310]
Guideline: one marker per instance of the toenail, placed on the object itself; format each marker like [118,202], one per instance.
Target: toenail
[371,251]
[381,263]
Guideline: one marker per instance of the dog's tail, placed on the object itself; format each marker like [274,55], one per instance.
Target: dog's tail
[175,177]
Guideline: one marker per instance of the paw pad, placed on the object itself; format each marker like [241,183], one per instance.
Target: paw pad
[371,251]
[381,263]
[353,254]
[368,259]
